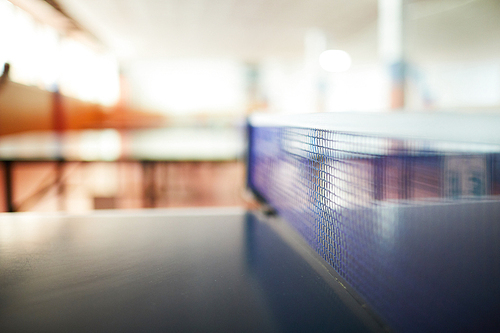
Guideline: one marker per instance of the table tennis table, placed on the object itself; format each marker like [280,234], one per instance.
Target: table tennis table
[371,228]
[170,270]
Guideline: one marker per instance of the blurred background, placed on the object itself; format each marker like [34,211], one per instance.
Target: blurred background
[130,104]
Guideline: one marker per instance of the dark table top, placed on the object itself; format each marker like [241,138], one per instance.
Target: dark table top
[221,270]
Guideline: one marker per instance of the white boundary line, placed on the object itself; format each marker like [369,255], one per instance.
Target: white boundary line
[153,212]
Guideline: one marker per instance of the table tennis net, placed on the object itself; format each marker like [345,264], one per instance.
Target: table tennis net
[355,198]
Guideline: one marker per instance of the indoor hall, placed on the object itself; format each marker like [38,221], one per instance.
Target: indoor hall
[252,142]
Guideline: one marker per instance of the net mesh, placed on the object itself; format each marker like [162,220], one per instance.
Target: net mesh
[362,201]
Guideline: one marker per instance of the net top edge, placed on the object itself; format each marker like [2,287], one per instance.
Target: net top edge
[432,126]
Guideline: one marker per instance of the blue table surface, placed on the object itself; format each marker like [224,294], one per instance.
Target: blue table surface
[166,270]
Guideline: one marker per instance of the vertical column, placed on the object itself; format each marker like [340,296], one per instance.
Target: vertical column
[315,44]
[9,196]
[391,47]
[149,184]
[255,101]
[59,125]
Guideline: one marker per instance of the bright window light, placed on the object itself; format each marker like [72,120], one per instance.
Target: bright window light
[39,56]
[335,61]
[182,86]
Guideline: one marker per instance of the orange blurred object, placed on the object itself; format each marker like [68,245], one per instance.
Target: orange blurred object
[25,108]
